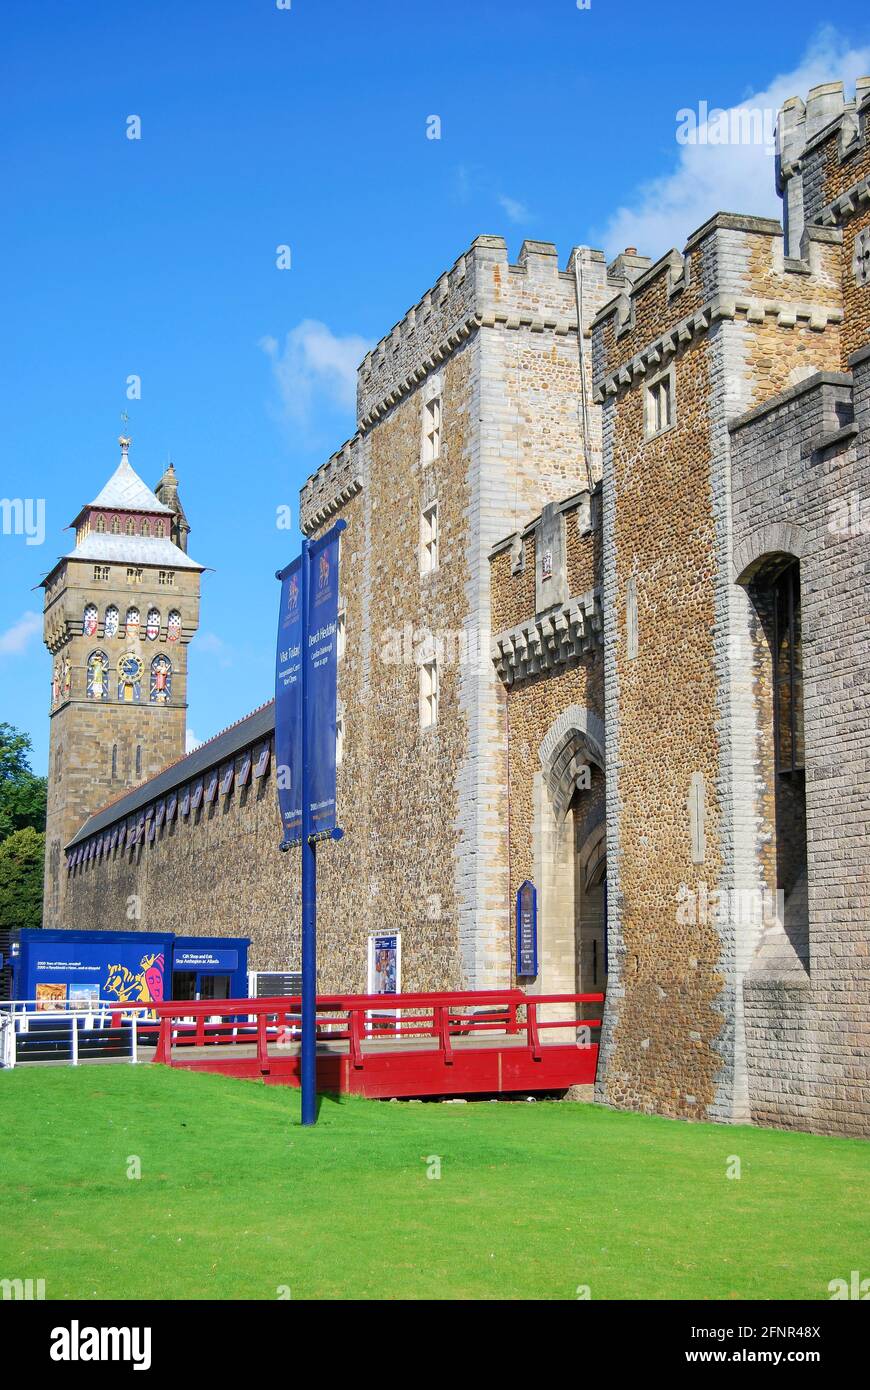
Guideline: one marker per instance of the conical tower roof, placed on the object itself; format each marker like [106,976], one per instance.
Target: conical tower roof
[126,490]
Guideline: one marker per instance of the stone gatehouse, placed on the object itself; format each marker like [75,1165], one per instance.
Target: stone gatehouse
[603,627]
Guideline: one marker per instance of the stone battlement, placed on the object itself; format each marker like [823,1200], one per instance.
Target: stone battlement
[822,153]
[481,289]
[334,483]
[733,266]
[825,112]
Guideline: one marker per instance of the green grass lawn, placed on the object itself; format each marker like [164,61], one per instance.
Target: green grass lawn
[236,1200]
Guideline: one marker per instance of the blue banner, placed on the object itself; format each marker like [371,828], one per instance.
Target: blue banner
[288,703]
[527,930]
[321,679]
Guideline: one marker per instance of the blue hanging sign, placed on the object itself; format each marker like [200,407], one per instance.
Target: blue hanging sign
[305,719]
[527,929]
[288,703]
[321,678]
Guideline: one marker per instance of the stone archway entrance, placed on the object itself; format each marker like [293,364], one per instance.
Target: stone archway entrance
[570,856]
[590,904]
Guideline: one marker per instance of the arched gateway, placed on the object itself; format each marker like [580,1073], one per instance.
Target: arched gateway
[569,834]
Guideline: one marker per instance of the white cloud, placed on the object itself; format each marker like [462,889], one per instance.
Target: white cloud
[474,182]
[315,367]
[210,644]
[711,178]
[191,741]
[516,211]
[18,637]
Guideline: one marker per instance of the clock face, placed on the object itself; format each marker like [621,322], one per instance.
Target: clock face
[130,667]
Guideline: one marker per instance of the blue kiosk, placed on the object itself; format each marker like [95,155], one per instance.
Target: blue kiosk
[69,969]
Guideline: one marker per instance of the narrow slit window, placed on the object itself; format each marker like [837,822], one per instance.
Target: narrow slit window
[433,429]
[788,672]
[429,694]
[429,539]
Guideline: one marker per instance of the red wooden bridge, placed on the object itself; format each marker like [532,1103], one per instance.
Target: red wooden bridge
[381,1046]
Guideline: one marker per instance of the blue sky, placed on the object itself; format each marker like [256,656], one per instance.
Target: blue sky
[306,127]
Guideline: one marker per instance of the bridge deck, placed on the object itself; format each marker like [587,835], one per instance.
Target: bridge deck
[433,1044]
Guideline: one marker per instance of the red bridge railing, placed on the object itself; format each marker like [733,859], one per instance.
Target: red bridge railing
[408,1044]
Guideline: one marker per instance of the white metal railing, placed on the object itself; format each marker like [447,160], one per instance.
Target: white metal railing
[86,1019]
[7,1041]
[93,1007]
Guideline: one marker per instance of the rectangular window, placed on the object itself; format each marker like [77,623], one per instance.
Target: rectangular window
[429,539]
[432,430]
[660,411]
[134,575]
[101,573]
[428,694]
[166,577]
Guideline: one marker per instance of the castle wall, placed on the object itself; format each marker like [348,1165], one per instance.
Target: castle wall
[216,872]
[664,980]
[614,623]
[797,470]
[678,712]
[407,858]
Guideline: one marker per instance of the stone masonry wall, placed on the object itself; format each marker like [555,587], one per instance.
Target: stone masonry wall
[677,710]
[797,473]
[660,1043]
[533,705]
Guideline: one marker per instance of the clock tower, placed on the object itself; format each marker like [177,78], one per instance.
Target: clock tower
[120,609]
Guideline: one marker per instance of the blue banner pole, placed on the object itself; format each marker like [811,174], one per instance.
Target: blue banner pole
[305,717]
[309,888]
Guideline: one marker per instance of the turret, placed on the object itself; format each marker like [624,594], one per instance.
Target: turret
[167,492]
[803,129]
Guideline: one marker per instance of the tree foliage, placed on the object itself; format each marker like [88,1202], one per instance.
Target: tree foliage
[22,838]
[22,793]
[22,855]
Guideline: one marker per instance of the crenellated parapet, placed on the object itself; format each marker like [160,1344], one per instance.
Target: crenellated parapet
[432,328]
[750,269]
[822,157]
[732,268]
[481,289]
[331,487]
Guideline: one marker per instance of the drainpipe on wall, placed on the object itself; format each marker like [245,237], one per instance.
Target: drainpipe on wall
[584,412]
